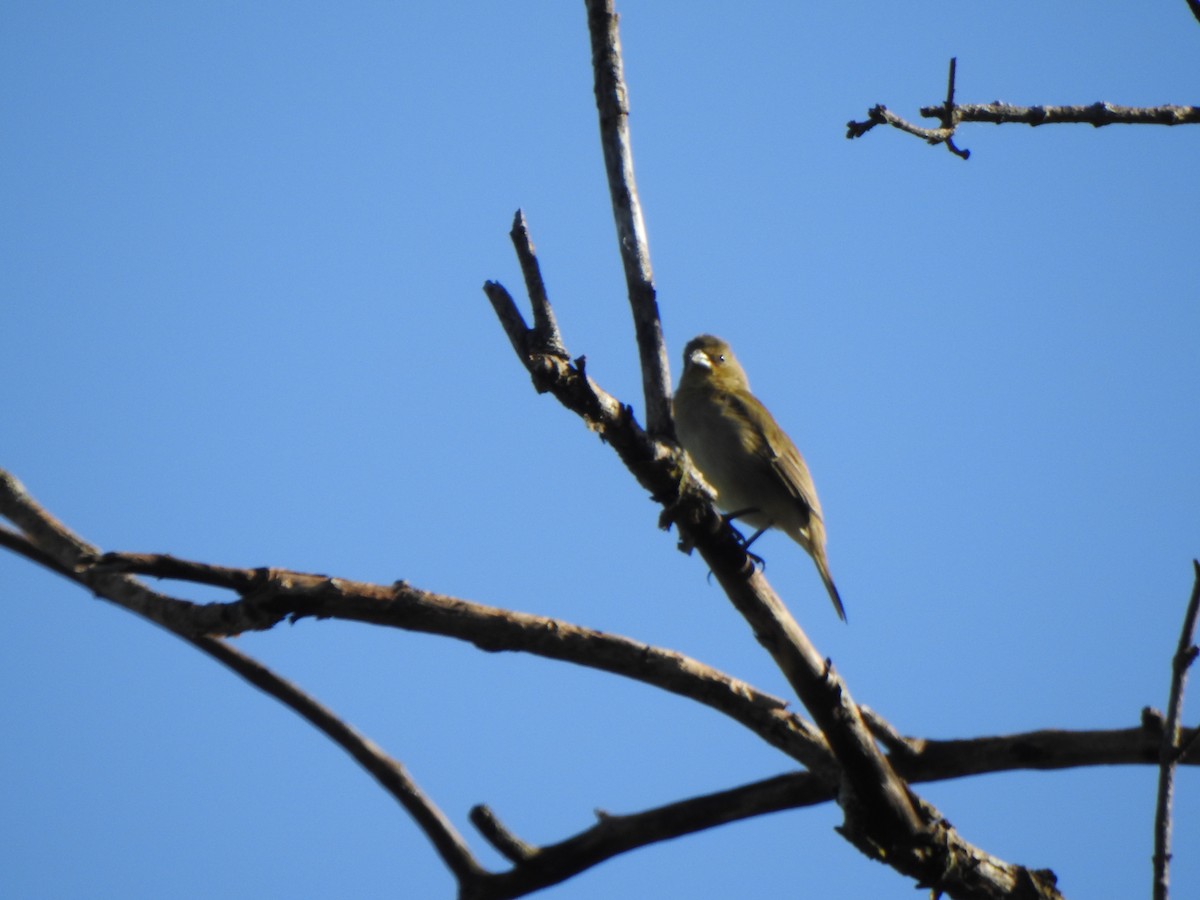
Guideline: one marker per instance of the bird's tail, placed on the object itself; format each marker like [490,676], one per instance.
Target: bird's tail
[823,568]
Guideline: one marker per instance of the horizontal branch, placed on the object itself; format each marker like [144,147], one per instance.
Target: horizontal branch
[1095,114]
[272,595]
[929,761]
[269,596]
[539,867]
[952,114]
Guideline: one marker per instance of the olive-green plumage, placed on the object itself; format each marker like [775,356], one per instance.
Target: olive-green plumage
[744,455]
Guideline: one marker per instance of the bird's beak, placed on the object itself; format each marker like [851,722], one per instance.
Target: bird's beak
[699,358]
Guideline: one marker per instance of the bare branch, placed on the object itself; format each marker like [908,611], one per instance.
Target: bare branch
[1050,749]
[390,774]
[952,114]
[881,115]
[39,527]
[272,595]
[1095,114]
[948,108]
[64,552]
[498,835]
[612,103]
[545,327]
[886,734]
[612,835]
[53,545]
[22,546]
[1172,745]
[510,318]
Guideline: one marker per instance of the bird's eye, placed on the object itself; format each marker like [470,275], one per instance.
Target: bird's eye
[721,358]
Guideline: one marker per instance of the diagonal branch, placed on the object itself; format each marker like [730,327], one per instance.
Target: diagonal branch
[390,774]
[1172,745]
[612,835]
[50,543]
[272,595]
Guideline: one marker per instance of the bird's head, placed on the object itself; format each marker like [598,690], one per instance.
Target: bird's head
[708,360]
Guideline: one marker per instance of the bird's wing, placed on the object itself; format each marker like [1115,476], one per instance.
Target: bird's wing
[785,461]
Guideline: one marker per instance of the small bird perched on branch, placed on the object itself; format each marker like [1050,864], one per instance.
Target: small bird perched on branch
[739,448]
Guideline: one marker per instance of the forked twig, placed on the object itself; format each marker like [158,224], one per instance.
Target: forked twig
[952,114]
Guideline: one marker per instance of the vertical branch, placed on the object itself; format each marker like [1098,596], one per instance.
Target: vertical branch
[612,102]
[1169,752]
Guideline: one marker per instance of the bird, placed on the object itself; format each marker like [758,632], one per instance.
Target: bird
[758,474]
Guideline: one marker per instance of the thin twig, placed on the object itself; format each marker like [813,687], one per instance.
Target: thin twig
[612,835]
[1185,655]
[545,335]
[510,318]
[886,734]
[612,103]
[948,111]
[499,836]
[881,115]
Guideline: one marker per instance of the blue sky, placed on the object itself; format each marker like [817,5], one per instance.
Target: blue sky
[242,322]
